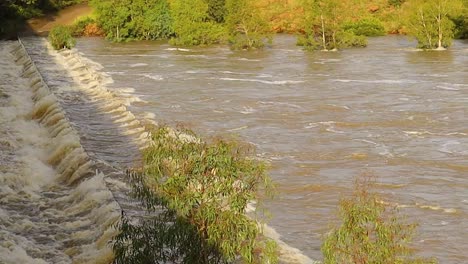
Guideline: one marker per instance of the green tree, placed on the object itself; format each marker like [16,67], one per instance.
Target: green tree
[247,27]
[371,231]
[150,20]
[217,10]
[204,189]
[367,26]
[60,37]
[324,25]
[429,21]
[461,22]
[192,25]
[134,19]
[112,17]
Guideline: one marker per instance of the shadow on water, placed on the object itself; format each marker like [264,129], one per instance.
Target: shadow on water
[102,134]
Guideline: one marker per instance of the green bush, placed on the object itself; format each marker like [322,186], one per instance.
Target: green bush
[461,26]
[396,3]
[247,28]
[80,24]
[192,25]
[371,231]
[204,189]
[134,19]
[60,37]
[370,27]
[349,39]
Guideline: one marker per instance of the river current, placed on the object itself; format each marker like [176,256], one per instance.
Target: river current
[321,119]
[72,121]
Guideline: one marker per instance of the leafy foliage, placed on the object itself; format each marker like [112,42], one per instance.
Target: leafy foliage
[197,193]
[429,21]
[134,19]
[247,28]
[371,231]
[324,26]
[79,26]
[192,25]
[217,10]
[60,37]
[370,27]
[14,12]
[461,22]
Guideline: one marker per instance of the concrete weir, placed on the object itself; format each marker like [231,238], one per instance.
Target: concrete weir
[59,202]
[89,138]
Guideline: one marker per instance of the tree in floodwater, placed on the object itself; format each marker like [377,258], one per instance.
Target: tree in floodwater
[134,19]
[323,26]
[371,231]
[429,21]
[246,26]
[192,24]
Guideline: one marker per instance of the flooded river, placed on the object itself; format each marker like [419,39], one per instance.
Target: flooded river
[321,119]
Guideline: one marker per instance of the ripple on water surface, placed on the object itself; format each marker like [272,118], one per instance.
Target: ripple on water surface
[323,118]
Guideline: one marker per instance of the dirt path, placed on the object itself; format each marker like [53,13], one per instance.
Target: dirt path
[66,16]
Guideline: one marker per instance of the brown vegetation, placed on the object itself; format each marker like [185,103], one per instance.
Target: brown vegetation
[93,30]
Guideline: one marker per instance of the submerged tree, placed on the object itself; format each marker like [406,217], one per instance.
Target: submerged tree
[429,21]
[371,231]
[323,26]
[246,26]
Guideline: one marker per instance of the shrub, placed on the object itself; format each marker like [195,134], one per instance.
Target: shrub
[247,28]
[370,27]
[396,3]
[349,39]
[371,231]
[192,25]
[134,19]
[79,26]
[204,189]
[60,37]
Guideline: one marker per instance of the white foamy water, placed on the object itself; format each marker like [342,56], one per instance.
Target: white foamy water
[42,210]
[281,82]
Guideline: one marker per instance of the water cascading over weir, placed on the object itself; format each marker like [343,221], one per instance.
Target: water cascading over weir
[65,143]
[88,137]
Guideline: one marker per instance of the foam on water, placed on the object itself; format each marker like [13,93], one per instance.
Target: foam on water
[138,65]
[282,82]
[42,160]
[155,77]
[178,49]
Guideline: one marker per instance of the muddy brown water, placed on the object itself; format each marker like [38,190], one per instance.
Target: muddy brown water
[321,119]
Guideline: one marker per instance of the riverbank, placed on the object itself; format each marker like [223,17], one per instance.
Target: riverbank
[67,16]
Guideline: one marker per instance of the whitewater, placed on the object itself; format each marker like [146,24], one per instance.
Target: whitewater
[65,141]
